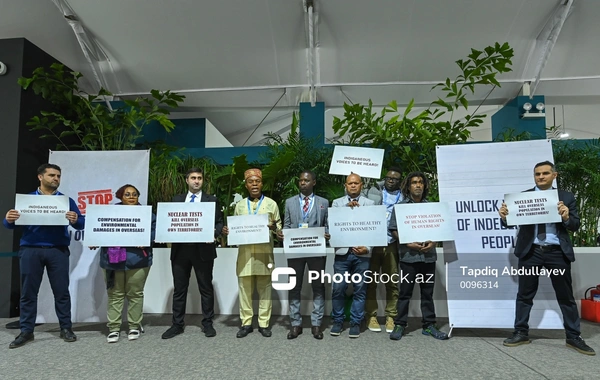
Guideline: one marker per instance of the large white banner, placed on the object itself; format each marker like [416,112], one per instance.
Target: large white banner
[481,278]
[91,178]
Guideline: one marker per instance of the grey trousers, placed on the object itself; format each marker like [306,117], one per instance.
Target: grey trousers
[318,288]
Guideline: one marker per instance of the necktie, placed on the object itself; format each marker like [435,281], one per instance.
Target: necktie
[541,232]
[193,198]
[305,207]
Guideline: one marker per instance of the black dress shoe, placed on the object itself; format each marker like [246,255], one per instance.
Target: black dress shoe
[579,345]
[21,339]
[244,331]
[316,332]
[516,339]
[209,331]
[173,331]
[265,332]
[68,335]
[294,332]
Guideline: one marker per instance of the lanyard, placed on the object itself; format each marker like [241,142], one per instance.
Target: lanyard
[257,207]
[384,200]
[310,205]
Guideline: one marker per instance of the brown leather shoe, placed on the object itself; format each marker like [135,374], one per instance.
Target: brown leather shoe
[316,332]
[294,332]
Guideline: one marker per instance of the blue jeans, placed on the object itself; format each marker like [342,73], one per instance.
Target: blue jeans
[349,263]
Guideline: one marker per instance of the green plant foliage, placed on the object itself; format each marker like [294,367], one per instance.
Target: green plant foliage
[287,158]
[578,166]
[510,134]
[410,141]
[85,122]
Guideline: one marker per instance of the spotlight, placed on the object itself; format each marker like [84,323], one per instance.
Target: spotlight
[540,106]
[527,107]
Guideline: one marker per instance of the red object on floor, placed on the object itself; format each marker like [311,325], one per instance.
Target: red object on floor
[590,307]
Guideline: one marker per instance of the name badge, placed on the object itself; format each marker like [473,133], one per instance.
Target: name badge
[303,225]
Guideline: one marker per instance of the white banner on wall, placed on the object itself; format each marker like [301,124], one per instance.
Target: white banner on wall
[42,211]
[91,178]
[481,283]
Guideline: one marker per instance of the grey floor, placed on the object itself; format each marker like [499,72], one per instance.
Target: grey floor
[469,354]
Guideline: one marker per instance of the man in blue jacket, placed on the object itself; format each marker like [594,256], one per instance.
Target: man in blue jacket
[45,247]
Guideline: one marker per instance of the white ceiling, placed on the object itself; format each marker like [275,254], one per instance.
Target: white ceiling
[256,49]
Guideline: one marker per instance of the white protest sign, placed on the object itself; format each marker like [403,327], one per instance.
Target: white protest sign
[304,242]
[365,162]
[36,210]
[118,226]
[248,229]
[358,226]
[419,222]
[185,222]
[532,207]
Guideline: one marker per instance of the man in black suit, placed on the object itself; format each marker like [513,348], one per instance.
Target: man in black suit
[547,245]
[200,256]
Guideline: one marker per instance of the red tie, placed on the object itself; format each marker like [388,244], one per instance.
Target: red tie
[305,208]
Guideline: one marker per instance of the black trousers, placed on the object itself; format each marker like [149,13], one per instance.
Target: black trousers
[181,266]
[411,274]
[32,261]
[562,284]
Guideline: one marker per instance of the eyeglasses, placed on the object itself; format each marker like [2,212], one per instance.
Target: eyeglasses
[392,179]
[130,195]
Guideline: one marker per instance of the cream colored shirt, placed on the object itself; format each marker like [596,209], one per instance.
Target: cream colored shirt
[253,259]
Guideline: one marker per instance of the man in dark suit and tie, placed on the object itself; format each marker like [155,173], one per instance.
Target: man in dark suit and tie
[303,211]
[547,245]
[200,256]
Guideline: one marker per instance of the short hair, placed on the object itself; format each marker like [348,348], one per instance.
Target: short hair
[394,169]
[310,173]
[544,163]
[119,193]
[42,168]
[406,184]
[194,170]
[351,174]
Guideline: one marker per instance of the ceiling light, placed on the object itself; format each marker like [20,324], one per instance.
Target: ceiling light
[564,135]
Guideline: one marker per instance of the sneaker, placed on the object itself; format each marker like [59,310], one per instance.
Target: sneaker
[397,332]
[389,324]
[434,332]
[336,329]
[373,325]
[579,345]
[113,337]
[354,331]
[133,334]
[516,339]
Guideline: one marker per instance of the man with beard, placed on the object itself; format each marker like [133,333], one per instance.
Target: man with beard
[45,247]
[385,259]
[200,256]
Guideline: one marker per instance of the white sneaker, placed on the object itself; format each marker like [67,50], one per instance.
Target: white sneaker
[133,334]
[113,337]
